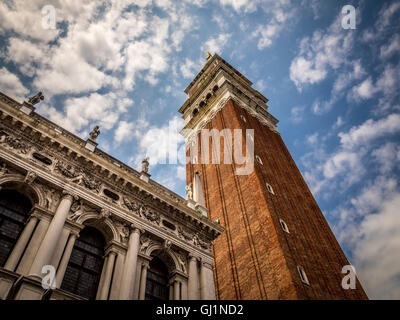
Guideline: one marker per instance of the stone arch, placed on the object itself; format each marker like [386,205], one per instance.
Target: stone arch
[165,255]
[32,191]
[105,226]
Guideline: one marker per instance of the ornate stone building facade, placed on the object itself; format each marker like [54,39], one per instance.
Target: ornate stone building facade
[277,243]
[108,231]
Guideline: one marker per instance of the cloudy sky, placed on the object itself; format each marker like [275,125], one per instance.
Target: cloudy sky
[124,65]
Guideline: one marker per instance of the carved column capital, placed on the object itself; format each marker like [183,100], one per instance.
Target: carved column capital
[135,229]
[68,194]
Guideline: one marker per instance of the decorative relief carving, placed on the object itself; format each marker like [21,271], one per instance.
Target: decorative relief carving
[167,245]
[14,143]
[52,198]
[182,261]
[145,242]
[66,170]
[87,181]
[184,234]
[77,210]
[149,214]
[131,205]
[30,177]
[3,170]
[123,230]
[77,176]
[105,213]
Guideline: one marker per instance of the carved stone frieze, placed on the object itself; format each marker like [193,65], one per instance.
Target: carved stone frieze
[149,214]
[14,143]
[78,176]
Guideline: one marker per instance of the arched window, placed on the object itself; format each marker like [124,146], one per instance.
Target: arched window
[83,272]
[157,281]
[14,212]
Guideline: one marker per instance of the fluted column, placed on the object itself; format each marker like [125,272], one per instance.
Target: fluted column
[193,281]
[143,278]
[207,289]
[65,259]
[176,290]
[129,273]
[20,246]
[106,283]
[49,243]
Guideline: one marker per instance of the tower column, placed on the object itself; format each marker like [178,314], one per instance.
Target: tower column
[143,278]
[176,290]
[50,241]
[65,259]
[129,272]
[106,282]
[20,246]
[207,289]
[193,281]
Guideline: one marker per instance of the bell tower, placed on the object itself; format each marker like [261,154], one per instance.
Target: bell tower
[277,243]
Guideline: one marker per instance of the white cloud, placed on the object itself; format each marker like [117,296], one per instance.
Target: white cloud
[390,49]
[237,5]
[280,12]
[339,122]
[189,68]
[91,109]
[26,55]
[377,245]
[11,85]
[366,89]
[346,165]
[324,51]
[312,139]
[296,114]
[387,157]
[181,173]
[124,131]
[370,130]
[25,18]
[215,45]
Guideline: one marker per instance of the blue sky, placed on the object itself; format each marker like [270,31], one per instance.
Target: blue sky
[124,65]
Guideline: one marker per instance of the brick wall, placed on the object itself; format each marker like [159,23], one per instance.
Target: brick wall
[254,257]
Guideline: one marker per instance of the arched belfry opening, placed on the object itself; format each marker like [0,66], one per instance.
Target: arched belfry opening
[83,273]
[14,212]
[157,281]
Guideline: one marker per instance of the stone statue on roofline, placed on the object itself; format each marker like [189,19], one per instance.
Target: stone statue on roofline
[36,98]
[94,133]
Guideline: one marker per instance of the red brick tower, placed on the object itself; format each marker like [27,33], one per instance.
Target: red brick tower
[277,243]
